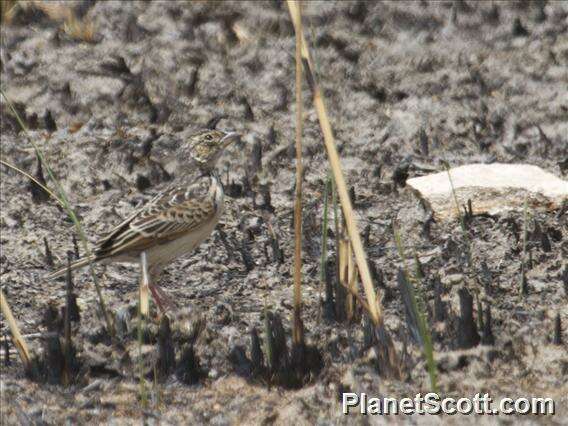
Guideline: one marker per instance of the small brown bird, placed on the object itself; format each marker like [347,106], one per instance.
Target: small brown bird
[175,221]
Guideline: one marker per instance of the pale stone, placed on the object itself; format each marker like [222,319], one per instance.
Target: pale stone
[492,188]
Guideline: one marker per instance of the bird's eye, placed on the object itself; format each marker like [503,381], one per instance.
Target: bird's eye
[209,137]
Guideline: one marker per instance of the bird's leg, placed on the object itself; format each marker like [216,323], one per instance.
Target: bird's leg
[150,275]
[163,300]
[158,299]
[144,285]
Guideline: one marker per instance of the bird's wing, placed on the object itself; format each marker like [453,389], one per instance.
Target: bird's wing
[171,214]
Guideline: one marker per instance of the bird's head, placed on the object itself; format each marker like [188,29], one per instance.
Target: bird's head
[207,146]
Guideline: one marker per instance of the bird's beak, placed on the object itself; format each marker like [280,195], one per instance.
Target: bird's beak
[229,138]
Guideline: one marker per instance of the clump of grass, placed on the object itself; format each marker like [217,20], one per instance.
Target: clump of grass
[388,358]
[275,362]
[346,269]
[418,307]
[333,156]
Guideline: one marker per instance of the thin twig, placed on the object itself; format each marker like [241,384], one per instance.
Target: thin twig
[19,341]
[37,182]
[297,333]
[352,276]
[359,298]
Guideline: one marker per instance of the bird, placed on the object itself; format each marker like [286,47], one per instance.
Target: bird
[174,222]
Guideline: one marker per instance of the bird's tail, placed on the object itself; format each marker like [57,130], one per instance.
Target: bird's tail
[79,263]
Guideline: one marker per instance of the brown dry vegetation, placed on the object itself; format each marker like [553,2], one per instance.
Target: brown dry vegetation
[107,88]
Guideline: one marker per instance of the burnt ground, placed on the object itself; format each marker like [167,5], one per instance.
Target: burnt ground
[407,84]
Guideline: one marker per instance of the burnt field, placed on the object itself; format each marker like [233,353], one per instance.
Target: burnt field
[107,89]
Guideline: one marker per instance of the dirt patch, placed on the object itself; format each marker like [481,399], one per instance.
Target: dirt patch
[407,85]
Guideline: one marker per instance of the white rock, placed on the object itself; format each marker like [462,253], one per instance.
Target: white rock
[492,188]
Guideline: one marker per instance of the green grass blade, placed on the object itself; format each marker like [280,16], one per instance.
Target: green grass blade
[420,313]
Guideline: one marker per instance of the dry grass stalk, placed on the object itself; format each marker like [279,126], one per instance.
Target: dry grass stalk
[33,179]
[19,341]
[297,333]
[55,11]
[79,29]
[353,291]
[351,221]
[75,28]
[352,275]
[347,273]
